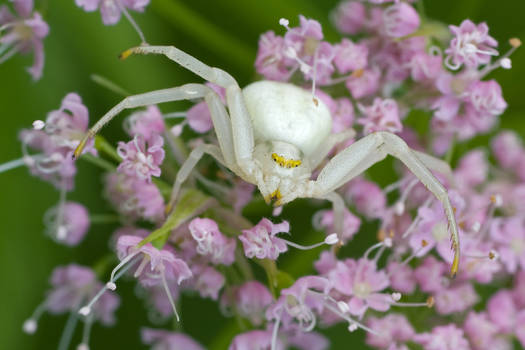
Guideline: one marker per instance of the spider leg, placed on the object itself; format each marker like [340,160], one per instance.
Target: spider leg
[241,126]
[322,151]
[369,150]
[184,92]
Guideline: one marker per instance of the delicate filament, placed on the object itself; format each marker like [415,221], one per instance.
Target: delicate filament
[174,115]
[372,248]
[65,339]
[275,332]
[168,293]
[86,333]
[12,164]
[108,84]
[305,247]
[132,22]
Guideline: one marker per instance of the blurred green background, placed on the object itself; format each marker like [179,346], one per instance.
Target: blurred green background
[221,33]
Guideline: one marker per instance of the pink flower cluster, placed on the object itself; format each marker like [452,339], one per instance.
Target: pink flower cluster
[208,245]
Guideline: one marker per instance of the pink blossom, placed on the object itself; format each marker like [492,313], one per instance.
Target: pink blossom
[507,148]
[383,115]
[350,57]
[307,341]
[63,130]
[327,262]
[480,330]
[134,198]
[471,45]
[520,327]
[431,274]
[158,262]
[519,289]
[472,169]
[502,311]
[208,281]
[455,299]
[367,197]
[270,61]
[485,98]
[364,83]
[211,242]
[260,241]
[400,20]
[73,224]
[258,339]
[24,33]
[425,67]
[111,10]
[324,219]
[362,281]
[72,285]
[251,300]
[350,16]
[141,159]
[509,235]
[161,339]
[447,337]
[391,329]
[401,277]
[147,123]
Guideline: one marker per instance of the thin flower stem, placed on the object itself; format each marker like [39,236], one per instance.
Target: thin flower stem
[71,323]
[12,164]
[108,84]
[104,218]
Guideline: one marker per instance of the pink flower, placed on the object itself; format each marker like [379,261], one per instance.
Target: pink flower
[147,123]
[350,57]
[350,16]
[391,329]
[455,299]
[73,224]
[208,281]
[257,339]
[134,198]
[159,263]
[367,197]
[260,240]
[485,98]
[111,10]
[140,160]
[431,274]
[425,67]
[324,219]
[270,61]
[24,34]
[447,337]
[502,311]
[507,148]
[480,330]
[401,277]
[509,235]
[471,45]
[161,339]
[211,242]
[383,115]
[400,20]
[250,300]
[472,169]
[364,83]
[62,132]
[362,281]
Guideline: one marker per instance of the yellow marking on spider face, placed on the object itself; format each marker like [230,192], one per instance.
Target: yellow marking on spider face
[285,163]
[274,195]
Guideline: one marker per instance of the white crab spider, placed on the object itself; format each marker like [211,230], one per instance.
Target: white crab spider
[276,134]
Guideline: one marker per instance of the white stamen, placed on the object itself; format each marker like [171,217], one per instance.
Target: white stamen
[396,296]
[38,125]
[277,211]
[132,22]
[399,208]
[82,346]
[343,307]
[168,293]
[84,311]
[331,239]
[388,242]
[476,226]
[352,327]
[176,130]
[61,232]
[275,331]
[111,286]
[30,326]
[284,22]
[506,63]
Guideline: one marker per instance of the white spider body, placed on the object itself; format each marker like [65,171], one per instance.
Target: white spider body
[285,112]
[274,134]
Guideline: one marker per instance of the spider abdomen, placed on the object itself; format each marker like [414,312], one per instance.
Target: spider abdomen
[285,112]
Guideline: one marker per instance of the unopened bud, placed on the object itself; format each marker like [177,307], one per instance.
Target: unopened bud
[30,326]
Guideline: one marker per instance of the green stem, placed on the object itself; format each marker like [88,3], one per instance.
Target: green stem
[108,84]
[101,163]
[104,219]
[103,146]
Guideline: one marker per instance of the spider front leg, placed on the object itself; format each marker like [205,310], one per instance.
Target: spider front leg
[369,150]
[241,126]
